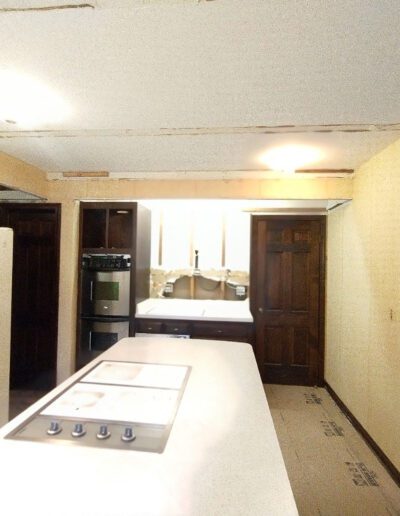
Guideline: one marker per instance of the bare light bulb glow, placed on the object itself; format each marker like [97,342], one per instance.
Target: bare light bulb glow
[289,158]
[29,102]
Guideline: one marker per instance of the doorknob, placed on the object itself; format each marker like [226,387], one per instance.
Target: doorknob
[260,309]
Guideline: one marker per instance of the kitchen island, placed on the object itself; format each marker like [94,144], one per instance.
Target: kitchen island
[222,456]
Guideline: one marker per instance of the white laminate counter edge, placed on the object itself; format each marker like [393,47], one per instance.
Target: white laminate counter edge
[195,309]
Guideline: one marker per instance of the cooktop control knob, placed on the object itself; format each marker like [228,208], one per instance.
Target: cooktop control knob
[54,429]
[103,432]
[78,430]
[128,435]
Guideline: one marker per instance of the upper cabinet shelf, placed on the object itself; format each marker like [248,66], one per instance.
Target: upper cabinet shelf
[120,225]
[108,227]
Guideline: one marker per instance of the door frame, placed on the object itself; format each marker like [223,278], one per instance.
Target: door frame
[322,280]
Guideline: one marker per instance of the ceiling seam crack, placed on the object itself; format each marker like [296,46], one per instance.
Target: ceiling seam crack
[46,8]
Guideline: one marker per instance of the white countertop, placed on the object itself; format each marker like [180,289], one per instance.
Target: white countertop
[195,309]
[222,456]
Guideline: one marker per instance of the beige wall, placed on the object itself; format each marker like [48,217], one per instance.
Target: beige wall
[215,189]
[17,174]
[363,301]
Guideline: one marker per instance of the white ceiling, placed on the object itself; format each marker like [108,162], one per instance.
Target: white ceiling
[202,87]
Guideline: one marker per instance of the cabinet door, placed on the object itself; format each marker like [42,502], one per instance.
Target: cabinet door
[221,331]
[148,326]
[176,328]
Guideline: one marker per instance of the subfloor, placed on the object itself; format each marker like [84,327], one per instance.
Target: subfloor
[330,467]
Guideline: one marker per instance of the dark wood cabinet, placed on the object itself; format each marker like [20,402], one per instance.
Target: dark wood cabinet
[240,332]
[109,227]
[93,228]
[115,228]
[149,326]
[120,225]
[213,330]
[177,327]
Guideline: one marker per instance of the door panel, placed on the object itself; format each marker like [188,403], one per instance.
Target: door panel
[274,268]
[287,281]
[299,283]
[34,293]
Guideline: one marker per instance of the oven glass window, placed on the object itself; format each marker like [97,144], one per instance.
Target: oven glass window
[106,291]
[101,341]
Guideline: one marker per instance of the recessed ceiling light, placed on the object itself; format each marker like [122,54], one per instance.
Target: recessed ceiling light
[289,158]
[28,102]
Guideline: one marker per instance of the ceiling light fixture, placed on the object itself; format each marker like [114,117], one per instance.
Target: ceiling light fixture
[288,158]
[28,102]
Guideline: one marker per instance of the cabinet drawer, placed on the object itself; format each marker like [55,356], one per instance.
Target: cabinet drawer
[220,330]
[176,328]
[148,326]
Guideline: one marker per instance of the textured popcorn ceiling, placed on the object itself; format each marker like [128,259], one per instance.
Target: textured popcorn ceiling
[204,86]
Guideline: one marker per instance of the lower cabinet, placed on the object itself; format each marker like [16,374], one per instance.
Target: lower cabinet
[213,330]
[240,332]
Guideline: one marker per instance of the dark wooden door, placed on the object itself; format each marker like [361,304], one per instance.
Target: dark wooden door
[287,297]
[34,293]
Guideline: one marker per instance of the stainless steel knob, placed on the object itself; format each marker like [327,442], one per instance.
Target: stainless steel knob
[103,432]
[54,429]
[78,430]
[128,434]
[261,309]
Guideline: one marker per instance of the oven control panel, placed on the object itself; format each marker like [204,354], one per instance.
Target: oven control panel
[106,262]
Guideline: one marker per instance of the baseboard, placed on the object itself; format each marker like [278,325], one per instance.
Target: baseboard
[390,467]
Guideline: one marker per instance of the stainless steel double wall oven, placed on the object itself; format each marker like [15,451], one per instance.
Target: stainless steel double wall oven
[105,300]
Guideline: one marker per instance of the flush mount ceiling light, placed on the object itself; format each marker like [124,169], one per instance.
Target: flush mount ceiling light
[289,158]
[28,102]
